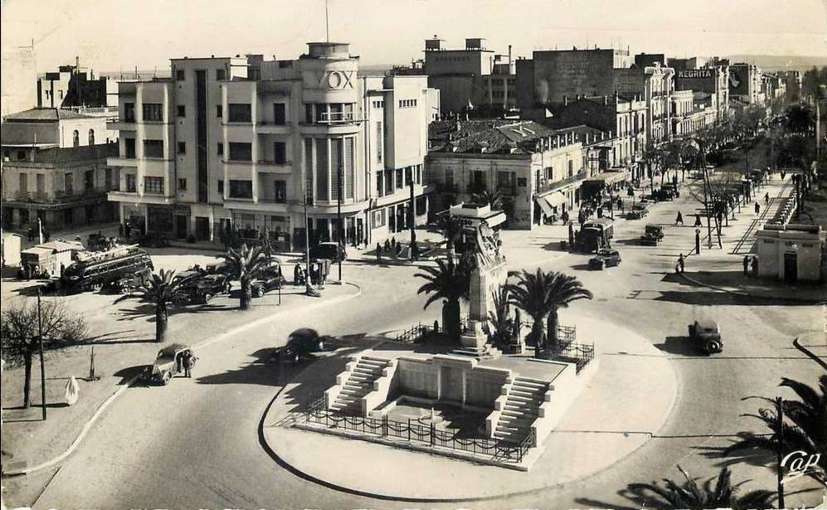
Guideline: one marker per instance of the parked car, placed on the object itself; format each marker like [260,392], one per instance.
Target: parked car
[706,335]
[270,278]
[168,363]
[329,250]
[604,258]
[203,288]
[636,214]
[652,235]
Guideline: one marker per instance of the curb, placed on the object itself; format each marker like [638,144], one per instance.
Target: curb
[130,382]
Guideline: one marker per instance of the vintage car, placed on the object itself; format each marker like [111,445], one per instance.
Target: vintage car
[706,335]
[301,344]
[652,235]
[604,258]
[329,250]
[168,363]
[270,278]
[204,287]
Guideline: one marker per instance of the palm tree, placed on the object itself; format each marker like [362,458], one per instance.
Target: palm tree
[694,496]
[452,228]
[530,295]
[245,264]
[563,290]
[160,289]
[485,197]
[806,428]
[500,326]
[449,281]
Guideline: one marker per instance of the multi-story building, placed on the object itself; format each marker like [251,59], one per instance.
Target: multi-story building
[259,144]
[473,78]
[712,79]
[745,84]
[537,170]
[792,84]
[54,168]
[70,87]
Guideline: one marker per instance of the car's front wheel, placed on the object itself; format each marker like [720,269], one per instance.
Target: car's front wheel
[713,346]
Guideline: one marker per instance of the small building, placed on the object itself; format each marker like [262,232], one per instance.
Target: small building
[53,256]
[791,252]
[10,250]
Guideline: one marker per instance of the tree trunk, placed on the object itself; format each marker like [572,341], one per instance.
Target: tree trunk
[538,335]
[246,294]
[161,320]
[553,323]
[27,382]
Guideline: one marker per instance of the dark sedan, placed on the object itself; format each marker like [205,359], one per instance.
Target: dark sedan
[604,258]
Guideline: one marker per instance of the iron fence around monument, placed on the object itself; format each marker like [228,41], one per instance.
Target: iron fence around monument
[422,434]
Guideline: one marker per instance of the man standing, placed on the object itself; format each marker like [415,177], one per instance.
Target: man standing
[187,364]
[757,208]
[746,265]
[679,219]
[681,263]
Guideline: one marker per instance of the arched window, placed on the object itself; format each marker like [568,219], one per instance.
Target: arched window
[75,138]
[91,137]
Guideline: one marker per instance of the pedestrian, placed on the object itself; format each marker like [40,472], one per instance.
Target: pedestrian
[679,219]
[757,208]
[698,220]
[766,198]
[681,262]
[600,211]
[783,173]
[120,230]
[387,245]
[30,234]
[378,253]
[46,235]
[187,364]
[746,265]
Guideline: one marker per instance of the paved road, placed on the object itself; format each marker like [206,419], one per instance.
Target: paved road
[195,442]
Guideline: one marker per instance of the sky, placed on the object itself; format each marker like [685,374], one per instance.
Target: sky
[113,35]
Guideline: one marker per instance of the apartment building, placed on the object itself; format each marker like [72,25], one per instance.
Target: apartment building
[260,143]
[537,170]
[55,169]
[746,83]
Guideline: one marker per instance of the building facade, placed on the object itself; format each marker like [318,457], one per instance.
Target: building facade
[258,144]
[536,170]
[55,169]
[70,87]
[746,84]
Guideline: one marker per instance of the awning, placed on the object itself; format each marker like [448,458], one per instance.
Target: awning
[609,177]
[555,199]
[546,208]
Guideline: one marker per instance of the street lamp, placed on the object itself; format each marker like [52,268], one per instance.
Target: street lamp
[697,241]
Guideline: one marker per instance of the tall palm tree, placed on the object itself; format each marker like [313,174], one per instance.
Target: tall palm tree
[805,428]
[452,228]
[530,294]
[449,281]
[246,264]
[485,197]
[160,289]
[689,494]
[563,289]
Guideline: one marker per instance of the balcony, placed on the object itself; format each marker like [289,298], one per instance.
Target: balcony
[274,167]
[271,128]
[56,198]
[122,161]
[122,125]
[546,185]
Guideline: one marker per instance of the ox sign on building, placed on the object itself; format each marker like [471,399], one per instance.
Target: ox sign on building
[335,79]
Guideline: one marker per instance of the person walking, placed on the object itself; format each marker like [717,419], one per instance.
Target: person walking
[681,262]
[188,364]
[746,265]
[698,220]
[679,219]
[757,208]
[378,253]
[766,199]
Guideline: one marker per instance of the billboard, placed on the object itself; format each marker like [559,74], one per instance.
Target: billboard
[698,80]
[739,80]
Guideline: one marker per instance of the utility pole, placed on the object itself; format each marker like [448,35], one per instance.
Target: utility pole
[308,289]
[339,218]
[412,219]
[42,363]
[779,453]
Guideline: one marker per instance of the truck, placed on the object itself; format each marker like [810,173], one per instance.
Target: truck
[94,270]
[594,235]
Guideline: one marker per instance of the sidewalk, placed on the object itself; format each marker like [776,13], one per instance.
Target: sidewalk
[596,432]
[122,336]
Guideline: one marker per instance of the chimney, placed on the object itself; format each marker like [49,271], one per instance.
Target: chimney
[509,54]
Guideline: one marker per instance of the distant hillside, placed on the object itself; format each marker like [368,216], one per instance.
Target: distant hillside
[781,62]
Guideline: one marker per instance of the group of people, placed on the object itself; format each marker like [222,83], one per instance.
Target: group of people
[31,233]
[392,248]
[28,272]
[317,274]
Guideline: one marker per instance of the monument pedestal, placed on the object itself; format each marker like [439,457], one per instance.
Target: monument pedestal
[475,342]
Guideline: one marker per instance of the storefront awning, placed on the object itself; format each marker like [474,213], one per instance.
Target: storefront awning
[544,206]
[609,177]
[555,199]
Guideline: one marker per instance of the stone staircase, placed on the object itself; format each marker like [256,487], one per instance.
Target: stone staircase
[521,409]
[358,384]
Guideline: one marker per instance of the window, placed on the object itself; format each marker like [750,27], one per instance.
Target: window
[182,184]
[308,113]
[154,185]
[182,110]
[68,182]
[399,179]
[322,170]
[279,115]
[129,112]
[107,177]
[380,139]
[221,186]
[220,74]
[219,110]
[380,186]
[280,188]
[571,168]
[130,183]
[182,147]
[89,179]
[21,155]
[154,149]
[75,138]
[153,112]
[241,189]
[240,112]
[129,146]
[41,183]
[179,75]
[241,152]
[91,137]
[24,183]
[220,149]
[280,153]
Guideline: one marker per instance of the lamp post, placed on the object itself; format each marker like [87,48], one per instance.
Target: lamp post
[697,241]
[339,218]
[42,364]
[412,220]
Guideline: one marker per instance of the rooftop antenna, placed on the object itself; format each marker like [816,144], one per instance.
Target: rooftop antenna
[326,21]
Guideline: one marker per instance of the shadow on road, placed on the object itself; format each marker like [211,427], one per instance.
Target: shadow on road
[126,374]
[678,345]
